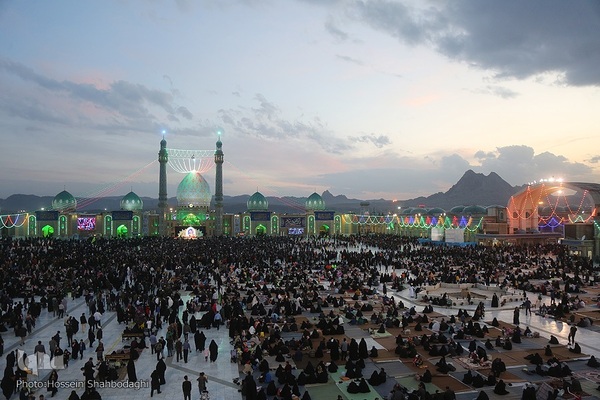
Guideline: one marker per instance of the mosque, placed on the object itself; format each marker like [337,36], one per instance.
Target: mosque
[532,216]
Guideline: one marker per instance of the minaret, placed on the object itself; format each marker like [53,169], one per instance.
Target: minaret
[163,158]
[219,188]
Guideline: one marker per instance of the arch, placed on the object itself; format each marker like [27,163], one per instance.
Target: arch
[523,207]
[122,231]
[136,226]
[191,220]
[275,225]
[324,230]
[261,230]
[32,225]
[48,231]
[62,225]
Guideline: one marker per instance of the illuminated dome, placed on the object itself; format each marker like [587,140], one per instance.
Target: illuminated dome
[257,202]
[193,191]
[64,201]
[474,210]
[435,211]
[315,202]
[132,202]
[457,209]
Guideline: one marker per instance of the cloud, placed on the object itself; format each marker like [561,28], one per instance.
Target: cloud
[511,38]
[483,154]
[349,59]
[379,141]
[594,159]
[265,121]
[334,31]
[184,112]
[129,104]
[519,164]
[498,91]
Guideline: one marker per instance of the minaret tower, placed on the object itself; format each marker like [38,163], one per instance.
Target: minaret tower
[163,158]
[219,188]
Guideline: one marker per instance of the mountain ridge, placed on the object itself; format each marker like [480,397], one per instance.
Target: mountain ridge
[471,189]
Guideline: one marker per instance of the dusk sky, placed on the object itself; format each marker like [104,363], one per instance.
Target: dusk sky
[371,99]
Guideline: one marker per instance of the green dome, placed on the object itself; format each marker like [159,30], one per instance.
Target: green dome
[457,209]
[64,201]
[435,211]
[315,202]
[474,210]
[132,202]
[193,191]
[257,202]
[406,211]
[419,210]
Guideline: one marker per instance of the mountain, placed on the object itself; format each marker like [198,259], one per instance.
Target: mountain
[472,189]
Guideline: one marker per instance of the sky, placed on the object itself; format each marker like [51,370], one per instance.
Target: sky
[367,98]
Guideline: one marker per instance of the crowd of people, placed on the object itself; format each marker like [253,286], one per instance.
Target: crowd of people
[256,286]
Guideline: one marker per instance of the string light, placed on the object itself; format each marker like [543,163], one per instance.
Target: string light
[13,220]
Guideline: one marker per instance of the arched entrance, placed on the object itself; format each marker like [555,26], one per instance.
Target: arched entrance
[47,231]
[122,231]
[261,230]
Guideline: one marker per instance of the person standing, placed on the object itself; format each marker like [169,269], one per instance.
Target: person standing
[81,348]
[202,381]
[40,352]
[53,382]
[179,349]
[154,382]
[572,333]
[186,350]
[344,349]
[527,305]
[159,350]
[153,341]
[131,373]
[217,320]
[100,351]
[213,348]
[516,315]
[91,335]
[83,322]
[161,367]
[186,386]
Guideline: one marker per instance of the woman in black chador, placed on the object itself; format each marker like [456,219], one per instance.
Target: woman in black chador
[214,350]
[131,375]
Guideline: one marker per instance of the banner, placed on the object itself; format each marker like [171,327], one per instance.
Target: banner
[292,222]
[260,216]
[122,215]
[46,215]
[324,215]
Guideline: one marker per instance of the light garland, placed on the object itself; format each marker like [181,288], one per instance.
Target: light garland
[412,222]
[13,220]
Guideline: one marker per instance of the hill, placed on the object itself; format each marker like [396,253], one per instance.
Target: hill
[472,189]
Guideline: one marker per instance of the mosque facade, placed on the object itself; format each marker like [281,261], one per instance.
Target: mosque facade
[522,221]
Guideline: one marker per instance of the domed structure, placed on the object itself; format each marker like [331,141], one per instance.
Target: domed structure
[314,202]
[474,210]
[436,211]
[193,191]
[64,201]
[132,202]
[419,210]
[257,202]
[457,209]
